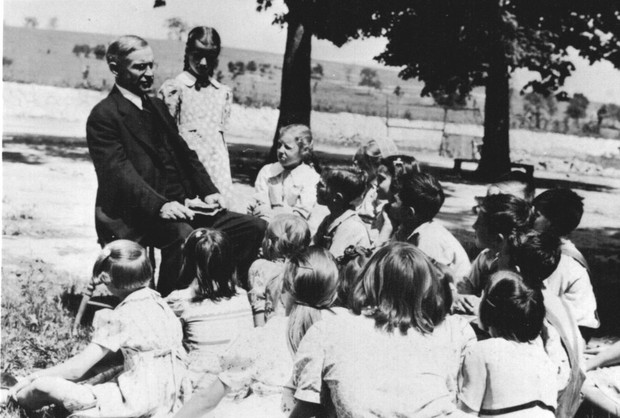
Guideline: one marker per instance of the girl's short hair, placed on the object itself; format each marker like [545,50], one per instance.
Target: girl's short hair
[208,258]
[506,214]
[286,235]
[126,265]
[204,35]
[349,181]
[119,49]
[562,207]
[514,310]
[423,193]
[350,264]
[303,139]
[401,288]
[311,278]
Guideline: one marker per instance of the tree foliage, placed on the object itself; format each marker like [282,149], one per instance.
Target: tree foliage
[99,51]
[577,107]
[177,27]
[539,107]
[316,73]
[454,46]
[31,22]
[369,78]
[81,49]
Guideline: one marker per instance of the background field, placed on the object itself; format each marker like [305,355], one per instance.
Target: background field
[45,57]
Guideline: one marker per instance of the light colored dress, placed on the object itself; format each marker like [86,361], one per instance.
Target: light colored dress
[292,190]
[209,327]
[201,115]
[265,280]
[371,373]
[256,367]
[498,374]
[337,234]
[150,337]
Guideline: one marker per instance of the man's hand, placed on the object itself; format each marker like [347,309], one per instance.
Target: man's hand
[216,199]
[176,212]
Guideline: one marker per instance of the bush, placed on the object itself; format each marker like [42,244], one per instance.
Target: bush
[99,51]
[6,61]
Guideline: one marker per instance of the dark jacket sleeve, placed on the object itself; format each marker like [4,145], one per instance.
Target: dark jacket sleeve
[116,175]
[195,170]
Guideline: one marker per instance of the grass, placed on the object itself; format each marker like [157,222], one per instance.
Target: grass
[36,325]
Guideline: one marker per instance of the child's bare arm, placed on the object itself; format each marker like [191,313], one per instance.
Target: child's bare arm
[203,401]
[71,369]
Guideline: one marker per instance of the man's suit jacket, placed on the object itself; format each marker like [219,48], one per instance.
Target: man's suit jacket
[130,172]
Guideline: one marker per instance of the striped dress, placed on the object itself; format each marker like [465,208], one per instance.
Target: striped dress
[209,327]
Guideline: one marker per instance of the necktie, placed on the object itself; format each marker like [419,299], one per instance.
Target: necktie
[146,104]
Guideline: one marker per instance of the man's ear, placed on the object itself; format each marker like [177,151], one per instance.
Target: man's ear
[339,197]
[114,68]
[104,278]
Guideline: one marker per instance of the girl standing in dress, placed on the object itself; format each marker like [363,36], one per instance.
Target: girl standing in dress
[142,327]
[201,105]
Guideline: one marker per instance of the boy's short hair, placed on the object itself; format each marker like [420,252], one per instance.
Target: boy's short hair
[562,207]
[516,183]
[537,255]
[423,193]
[349,181]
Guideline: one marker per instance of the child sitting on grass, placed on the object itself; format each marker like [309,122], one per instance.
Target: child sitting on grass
[257,366]
[286,235]
[421,197]
[288,185]
[142,327]
[559,211]
[501,219]
[337,189]
[213,310]
[536,256]
[509,374]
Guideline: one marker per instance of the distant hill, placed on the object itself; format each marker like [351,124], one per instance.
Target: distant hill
[45,57]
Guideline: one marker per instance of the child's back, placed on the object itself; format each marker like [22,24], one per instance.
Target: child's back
[510,377]
[149,335]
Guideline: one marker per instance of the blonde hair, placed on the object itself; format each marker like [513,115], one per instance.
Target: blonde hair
[303,139]
[286,234]
[125,264]
[311,278]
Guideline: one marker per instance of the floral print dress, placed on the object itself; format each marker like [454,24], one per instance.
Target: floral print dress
[201,114]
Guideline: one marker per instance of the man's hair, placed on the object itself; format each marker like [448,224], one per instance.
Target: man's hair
[514,310]
[536,255]
[562,207]
[423,193]
[119,49]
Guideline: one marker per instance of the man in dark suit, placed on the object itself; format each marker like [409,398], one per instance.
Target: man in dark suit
[152,186]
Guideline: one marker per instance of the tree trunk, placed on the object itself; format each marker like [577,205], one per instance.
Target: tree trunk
[495,153]
[295,98]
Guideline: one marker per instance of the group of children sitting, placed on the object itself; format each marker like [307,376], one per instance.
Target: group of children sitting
[372,310]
